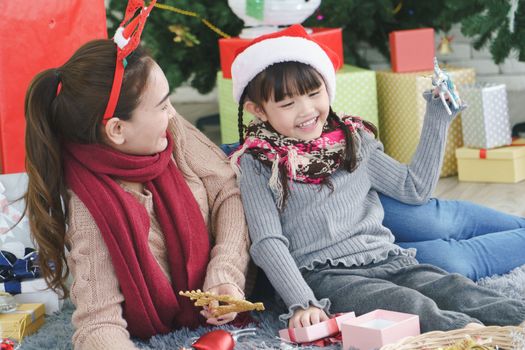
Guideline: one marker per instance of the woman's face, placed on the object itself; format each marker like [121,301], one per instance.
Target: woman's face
[145,132]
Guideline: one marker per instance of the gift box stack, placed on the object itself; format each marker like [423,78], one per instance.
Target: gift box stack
[356,87]
[400,102]
[489,154]
[19,267]
[20,276]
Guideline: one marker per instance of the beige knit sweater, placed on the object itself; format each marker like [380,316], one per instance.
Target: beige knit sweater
[95,290]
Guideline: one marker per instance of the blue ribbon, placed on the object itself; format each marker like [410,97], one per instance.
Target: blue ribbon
[13,270]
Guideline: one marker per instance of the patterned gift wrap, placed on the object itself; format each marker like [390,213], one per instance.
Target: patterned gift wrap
[402,109]
[486,123]
[356,95]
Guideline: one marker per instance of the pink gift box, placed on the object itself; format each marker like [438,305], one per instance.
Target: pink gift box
[317,331]
[378,328]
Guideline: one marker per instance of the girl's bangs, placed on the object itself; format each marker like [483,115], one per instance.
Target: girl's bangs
[289,79]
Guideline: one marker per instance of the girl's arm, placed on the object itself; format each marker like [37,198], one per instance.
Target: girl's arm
[95,290]
[415,182]
[269,248]
[230,251]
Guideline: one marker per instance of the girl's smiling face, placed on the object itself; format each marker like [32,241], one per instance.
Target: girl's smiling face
[298,116]
[291,97]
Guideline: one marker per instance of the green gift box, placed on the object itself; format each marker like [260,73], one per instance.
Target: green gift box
[356,95]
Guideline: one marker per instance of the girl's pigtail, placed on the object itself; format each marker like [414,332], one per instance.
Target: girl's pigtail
[240,112]
[351,156]
[46,187]
[370,127]
[350,159]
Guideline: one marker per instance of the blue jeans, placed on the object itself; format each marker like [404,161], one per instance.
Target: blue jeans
[458,236]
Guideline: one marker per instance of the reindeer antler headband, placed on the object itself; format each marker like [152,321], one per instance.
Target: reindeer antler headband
[127,38]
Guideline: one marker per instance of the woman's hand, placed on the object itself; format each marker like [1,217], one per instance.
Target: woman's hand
[308,317]
[222,289]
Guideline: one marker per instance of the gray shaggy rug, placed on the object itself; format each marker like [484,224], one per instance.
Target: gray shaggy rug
[57,331]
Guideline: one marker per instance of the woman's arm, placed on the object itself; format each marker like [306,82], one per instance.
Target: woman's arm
[98,319]
[229,255]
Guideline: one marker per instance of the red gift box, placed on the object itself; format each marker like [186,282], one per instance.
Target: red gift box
[34,36]
[330,37]
[412,50]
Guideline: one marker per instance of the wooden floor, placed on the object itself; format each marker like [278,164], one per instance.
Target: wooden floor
[509,198]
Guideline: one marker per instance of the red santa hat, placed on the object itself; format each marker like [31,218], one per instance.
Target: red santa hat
[292,44]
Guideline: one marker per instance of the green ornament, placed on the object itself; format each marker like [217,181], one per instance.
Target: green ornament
[255,9]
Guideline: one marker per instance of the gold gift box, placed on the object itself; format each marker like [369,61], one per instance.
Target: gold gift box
[25,320]
[402,110]
[504,164]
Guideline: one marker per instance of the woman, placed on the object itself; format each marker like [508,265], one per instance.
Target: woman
[132,190]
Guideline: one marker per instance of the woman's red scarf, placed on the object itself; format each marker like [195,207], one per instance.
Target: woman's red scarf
[151,305]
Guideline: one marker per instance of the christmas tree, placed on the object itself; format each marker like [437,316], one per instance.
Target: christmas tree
[183,46]
[188,49]
[496,23]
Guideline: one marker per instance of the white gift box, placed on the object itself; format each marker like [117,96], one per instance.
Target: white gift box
[36,292]
[486,121]
[29,286]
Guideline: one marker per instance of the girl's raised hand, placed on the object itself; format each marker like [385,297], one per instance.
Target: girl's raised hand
[308,317]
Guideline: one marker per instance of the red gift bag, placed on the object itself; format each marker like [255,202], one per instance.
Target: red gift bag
[36,35]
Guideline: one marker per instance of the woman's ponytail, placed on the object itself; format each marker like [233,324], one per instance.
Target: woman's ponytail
[46,188]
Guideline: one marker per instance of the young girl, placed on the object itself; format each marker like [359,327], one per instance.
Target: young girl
[141,190]
[309,182]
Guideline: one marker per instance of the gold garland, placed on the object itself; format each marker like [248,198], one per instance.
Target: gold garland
[193,14]
[226,303]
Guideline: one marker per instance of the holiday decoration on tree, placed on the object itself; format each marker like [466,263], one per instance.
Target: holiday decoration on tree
[444,47]
[182,34]
[264,16]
